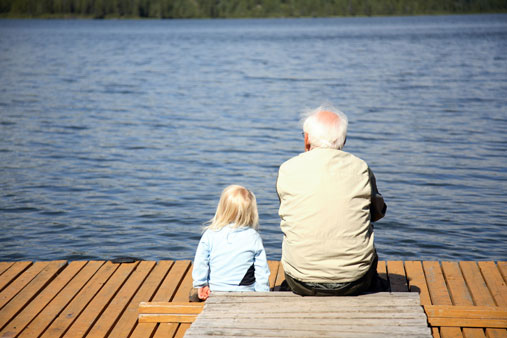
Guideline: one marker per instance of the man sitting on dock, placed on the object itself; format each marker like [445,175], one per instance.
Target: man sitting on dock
[328,199]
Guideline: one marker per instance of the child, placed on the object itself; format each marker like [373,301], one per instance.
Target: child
[230,255]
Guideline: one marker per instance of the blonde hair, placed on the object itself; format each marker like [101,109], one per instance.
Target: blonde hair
[237,206]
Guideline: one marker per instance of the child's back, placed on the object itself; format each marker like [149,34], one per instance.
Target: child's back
[235,259]
[230,255]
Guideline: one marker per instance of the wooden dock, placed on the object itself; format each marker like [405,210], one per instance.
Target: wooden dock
[101,299]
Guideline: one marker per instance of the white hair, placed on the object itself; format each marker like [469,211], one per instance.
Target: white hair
[322,134]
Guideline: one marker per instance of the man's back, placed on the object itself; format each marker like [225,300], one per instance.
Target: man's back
[325,197]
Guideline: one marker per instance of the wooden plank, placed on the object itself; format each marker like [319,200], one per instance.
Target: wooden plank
[468,322]
[459,293]
[301,311]
[20,282]
[252,295]
[170,307]
[166,330]
[458,289]
[480,292]
[128,320]
[312,329]
[495,282]
[305,332]
[293,323]
[51,311]
[436,284]
[477,286]
[417,281]
[288,301]
[273,268]
[313,302]
[182,329]
[382,269]
[36,305]
[120,301]
[67,317]
[397,278]
[5,266]
[172,282]
[165,293]
[502,266]
[166,318]
[30,291]
[181,295]
[287,298]
[472,312]
[439,294]
[280,277]
[183,290]
[252,306]
[496,333]
[257,320]
[93,311]
[12,273]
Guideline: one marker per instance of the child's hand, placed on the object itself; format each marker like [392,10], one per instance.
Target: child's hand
[203,293]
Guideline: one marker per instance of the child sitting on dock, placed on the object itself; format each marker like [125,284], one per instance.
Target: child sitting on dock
[230,255]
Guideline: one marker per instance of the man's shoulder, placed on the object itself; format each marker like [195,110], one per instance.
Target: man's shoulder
[354,159]
[292,160]
[324,155]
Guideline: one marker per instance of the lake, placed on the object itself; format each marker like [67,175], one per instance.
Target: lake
[117,137]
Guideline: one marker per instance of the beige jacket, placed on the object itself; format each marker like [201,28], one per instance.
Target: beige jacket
[326,211]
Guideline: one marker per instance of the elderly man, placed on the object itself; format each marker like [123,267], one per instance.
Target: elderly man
[328,199]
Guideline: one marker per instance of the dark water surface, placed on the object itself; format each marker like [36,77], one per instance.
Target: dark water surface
[116,137]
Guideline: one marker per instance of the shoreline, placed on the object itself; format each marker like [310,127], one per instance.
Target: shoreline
[8,16]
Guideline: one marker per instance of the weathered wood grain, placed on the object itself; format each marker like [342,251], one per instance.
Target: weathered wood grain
[304,330]
[272,314]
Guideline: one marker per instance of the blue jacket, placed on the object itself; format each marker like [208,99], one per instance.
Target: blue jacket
[224,260]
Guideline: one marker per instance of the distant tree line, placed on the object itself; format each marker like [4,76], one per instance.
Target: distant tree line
[167,9]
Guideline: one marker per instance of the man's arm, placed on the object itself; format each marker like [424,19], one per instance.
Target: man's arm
[378,207]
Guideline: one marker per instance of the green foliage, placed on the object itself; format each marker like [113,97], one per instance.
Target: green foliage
[165,9]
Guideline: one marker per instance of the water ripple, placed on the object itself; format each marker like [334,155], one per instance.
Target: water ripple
[118,136]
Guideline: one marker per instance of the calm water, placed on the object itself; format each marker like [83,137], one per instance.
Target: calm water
[116,137]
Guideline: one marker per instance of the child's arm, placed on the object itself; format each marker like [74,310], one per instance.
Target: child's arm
[261,268]
[200,273]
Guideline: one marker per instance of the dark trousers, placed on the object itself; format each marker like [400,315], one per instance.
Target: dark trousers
[370,282]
